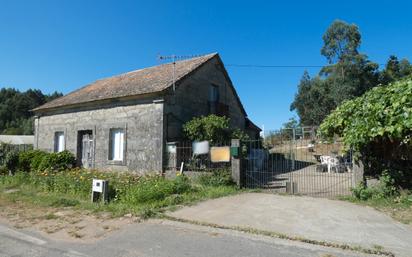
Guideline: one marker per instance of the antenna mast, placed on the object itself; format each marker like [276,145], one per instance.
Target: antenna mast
[174,58]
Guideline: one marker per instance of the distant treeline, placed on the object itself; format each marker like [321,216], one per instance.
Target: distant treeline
[15,106]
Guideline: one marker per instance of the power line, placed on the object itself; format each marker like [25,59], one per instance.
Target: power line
[273,66]
[278,66]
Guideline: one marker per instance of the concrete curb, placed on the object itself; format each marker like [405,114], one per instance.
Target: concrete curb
[284,236]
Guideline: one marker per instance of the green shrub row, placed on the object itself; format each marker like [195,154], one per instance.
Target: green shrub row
[123,187]
[36,160]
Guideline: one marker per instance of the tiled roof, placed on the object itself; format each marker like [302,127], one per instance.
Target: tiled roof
[138,82]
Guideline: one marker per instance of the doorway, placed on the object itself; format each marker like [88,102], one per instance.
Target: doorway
[85,149]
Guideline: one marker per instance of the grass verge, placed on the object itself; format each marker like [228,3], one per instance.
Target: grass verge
[144,196]
[399,207]
[378,250]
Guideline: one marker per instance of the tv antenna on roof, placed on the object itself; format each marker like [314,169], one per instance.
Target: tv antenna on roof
[175,58]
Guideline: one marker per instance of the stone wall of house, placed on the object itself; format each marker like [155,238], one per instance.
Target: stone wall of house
[190,99]
[142,121]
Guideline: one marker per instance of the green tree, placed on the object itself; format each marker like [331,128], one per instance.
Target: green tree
[292,123]
[341,42]
[394,70]
[349,74]
[313,100]
[378,125]
[350,78]
[213,128]
[15,109]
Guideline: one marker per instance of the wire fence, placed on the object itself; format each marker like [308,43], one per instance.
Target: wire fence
[296,161]
[183,156]
[7,148]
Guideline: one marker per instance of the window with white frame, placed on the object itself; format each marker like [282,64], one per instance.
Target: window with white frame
[59,143]
[116,144]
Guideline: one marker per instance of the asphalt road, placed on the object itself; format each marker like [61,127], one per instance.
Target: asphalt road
[161,239]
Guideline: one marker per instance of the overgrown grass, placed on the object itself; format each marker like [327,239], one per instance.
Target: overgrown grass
[398,207]
[142,196]
[386,197]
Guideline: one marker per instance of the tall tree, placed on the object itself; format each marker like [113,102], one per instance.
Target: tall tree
[394,70]
[350,78]
[348,74]
[312,101]
[341,42]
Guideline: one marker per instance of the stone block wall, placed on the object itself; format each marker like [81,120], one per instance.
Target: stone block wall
[191,99]
[142,121]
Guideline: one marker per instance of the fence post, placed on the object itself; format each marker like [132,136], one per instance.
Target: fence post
[170,157]
[236,164]
[357,172]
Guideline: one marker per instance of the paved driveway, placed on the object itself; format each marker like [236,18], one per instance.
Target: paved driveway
[313,218]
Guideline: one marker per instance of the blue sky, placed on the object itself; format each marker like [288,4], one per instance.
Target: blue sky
[62,45]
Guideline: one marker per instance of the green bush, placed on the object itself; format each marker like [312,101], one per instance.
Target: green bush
[36,160]
[3,170]
[55,161]
[155,188]
[147,212]
[181,184]
[362,192]
[387,185]
[213,128]
[26,158]
[377,126]
[218,177]
[384,189]
[11,160]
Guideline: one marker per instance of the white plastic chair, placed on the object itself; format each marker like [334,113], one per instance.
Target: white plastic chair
[333,163]
[324,159]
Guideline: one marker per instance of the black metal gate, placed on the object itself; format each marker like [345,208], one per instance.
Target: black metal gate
[297,162]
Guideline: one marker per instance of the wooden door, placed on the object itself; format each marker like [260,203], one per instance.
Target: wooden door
[87,150]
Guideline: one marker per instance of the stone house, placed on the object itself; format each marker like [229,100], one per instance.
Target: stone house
[124,122]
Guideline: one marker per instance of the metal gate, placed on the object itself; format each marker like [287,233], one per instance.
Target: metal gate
[295,161]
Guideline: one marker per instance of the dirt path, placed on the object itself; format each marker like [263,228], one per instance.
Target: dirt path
[66,224]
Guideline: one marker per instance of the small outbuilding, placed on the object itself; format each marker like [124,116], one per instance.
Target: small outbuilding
[16,139]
